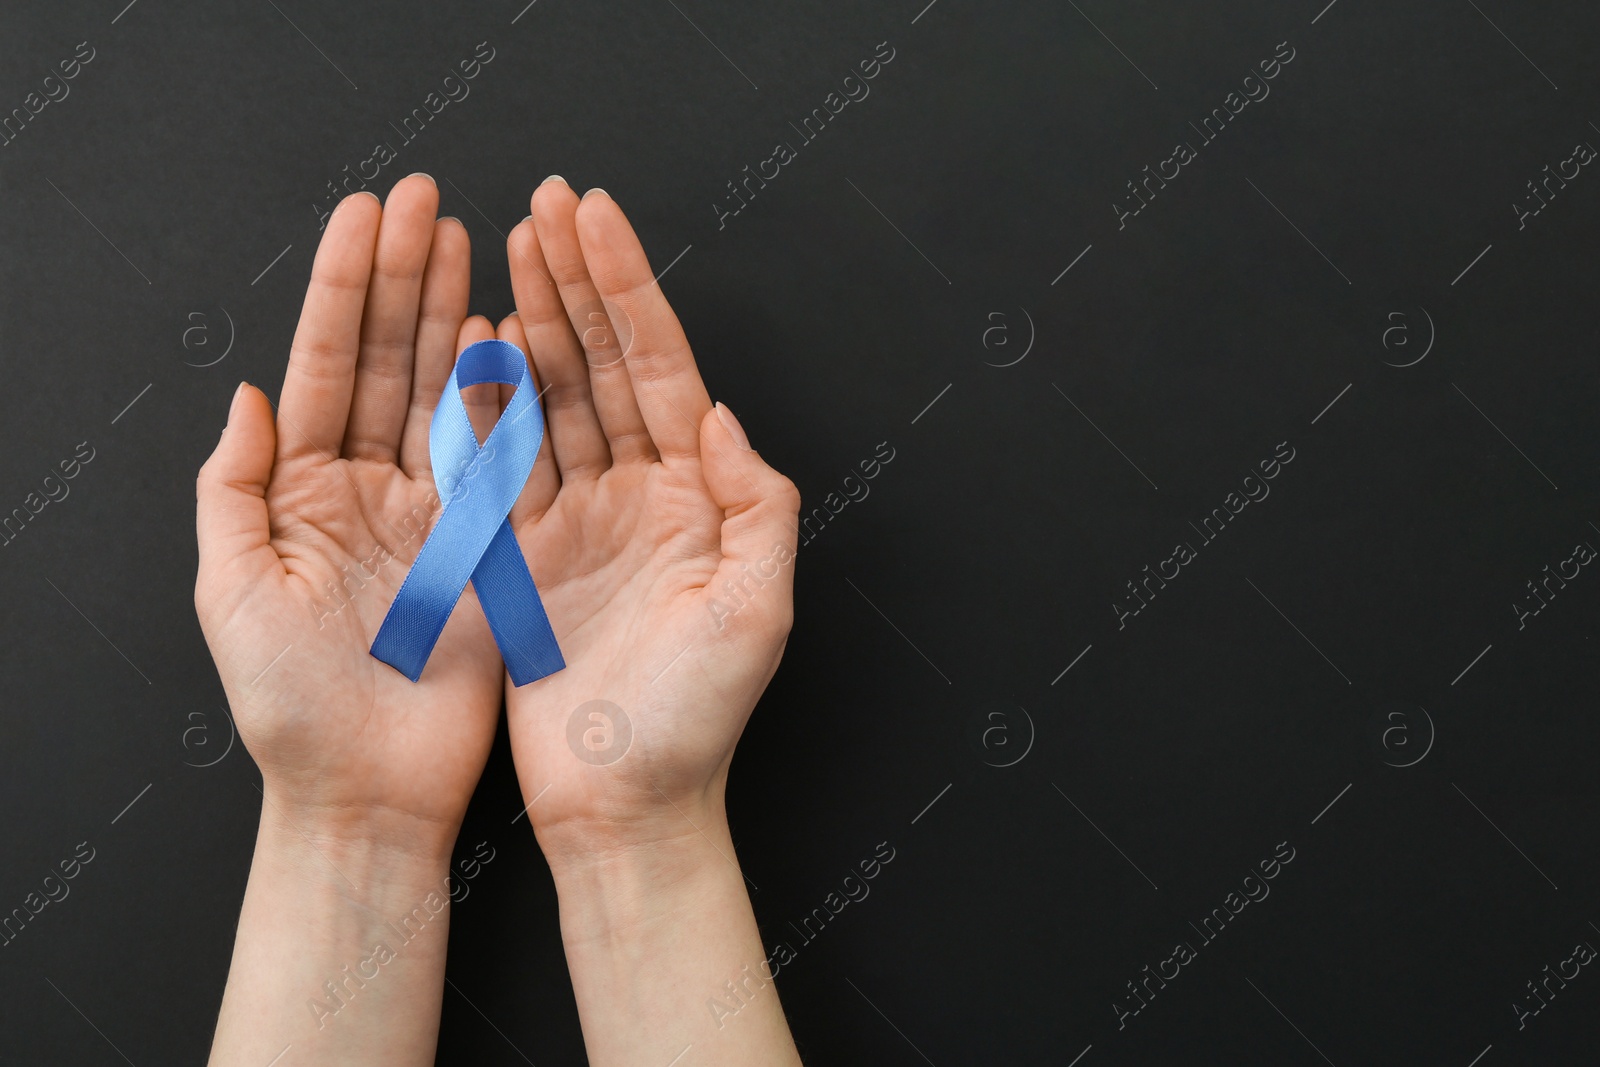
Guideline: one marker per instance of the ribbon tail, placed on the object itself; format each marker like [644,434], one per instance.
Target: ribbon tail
[423,604]
[516,615]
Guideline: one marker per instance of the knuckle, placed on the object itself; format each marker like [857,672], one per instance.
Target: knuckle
[202,596]
[205,477]
[786,494]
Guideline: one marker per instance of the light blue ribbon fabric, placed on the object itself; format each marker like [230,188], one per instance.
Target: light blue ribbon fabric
[473,539]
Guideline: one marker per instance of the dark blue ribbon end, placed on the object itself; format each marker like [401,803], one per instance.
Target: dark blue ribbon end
[415,677]
[523,673]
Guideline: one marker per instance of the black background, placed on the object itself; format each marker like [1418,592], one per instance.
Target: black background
[1328,634]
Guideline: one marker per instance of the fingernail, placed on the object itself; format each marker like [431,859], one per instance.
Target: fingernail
[365,192]
[596,189]
[452,218]
[554,178]
[421,174]
[731,424]
[233,405]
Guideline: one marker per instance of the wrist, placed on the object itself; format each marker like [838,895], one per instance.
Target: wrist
[635,830]
[618,884]
[341,942]
[356,850]
[660,932]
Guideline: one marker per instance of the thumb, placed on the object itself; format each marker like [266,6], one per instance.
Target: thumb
[760,506]
[230,494]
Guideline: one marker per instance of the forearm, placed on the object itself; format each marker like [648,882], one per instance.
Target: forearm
[340,950]
[664,953]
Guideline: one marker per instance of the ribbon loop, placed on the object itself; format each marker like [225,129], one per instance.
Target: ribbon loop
[473,539]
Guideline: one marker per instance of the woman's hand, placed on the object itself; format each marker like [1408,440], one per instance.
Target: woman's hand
[308,523]
[663,547]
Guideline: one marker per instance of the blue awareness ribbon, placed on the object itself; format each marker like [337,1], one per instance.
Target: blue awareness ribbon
[473,538]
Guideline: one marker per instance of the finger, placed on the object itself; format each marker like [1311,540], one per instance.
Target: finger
[545,481]
[575,434]
[315,403]
[481,401]
[389,323]
[443,307]
[760,525]
[231,520]
[666,381]
[554,216]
